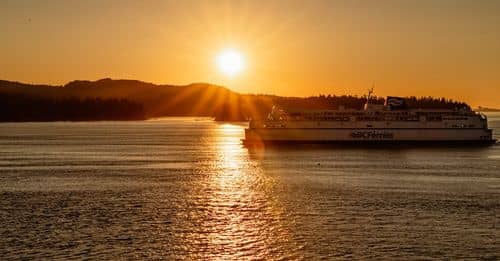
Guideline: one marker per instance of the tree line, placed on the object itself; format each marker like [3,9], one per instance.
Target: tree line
[257,106]
[109,99]
[357,102]
[15,107]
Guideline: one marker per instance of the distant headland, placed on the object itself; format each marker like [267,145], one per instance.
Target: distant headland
[485,109]
[109,99]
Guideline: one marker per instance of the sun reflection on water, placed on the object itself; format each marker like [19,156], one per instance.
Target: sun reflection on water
[243,216]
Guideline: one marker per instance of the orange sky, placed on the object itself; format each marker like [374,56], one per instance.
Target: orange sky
[294,48]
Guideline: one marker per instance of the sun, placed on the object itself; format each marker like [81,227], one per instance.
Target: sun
[230,62]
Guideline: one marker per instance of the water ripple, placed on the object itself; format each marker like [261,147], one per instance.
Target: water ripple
[187,189]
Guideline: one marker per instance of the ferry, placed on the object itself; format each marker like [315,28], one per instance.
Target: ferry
[380,123]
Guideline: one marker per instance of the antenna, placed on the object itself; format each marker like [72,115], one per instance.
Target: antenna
[370,92]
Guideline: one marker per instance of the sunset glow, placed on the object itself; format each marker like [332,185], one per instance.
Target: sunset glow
[250,129]
[230,62]
[287,48]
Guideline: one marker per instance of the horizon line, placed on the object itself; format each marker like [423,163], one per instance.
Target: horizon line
[230,89]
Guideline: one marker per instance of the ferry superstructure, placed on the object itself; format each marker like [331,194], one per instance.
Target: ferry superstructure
[392,121]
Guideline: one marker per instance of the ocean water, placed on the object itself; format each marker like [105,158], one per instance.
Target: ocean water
[185,188]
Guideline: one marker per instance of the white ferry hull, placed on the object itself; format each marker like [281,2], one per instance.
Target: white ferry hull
[376,123]
[269,135]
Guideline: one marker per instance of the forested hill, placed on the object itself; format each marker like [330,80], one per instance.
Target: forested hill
[153,100]
[109,99]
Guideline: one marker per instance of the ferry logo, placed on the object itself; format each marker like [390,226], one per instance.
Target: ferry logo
[395,101]
[372,135]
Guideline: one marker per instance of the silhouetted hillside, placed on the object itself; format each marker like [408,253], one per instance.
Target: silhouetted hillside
[110,97]
[20,107]
[197,99]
